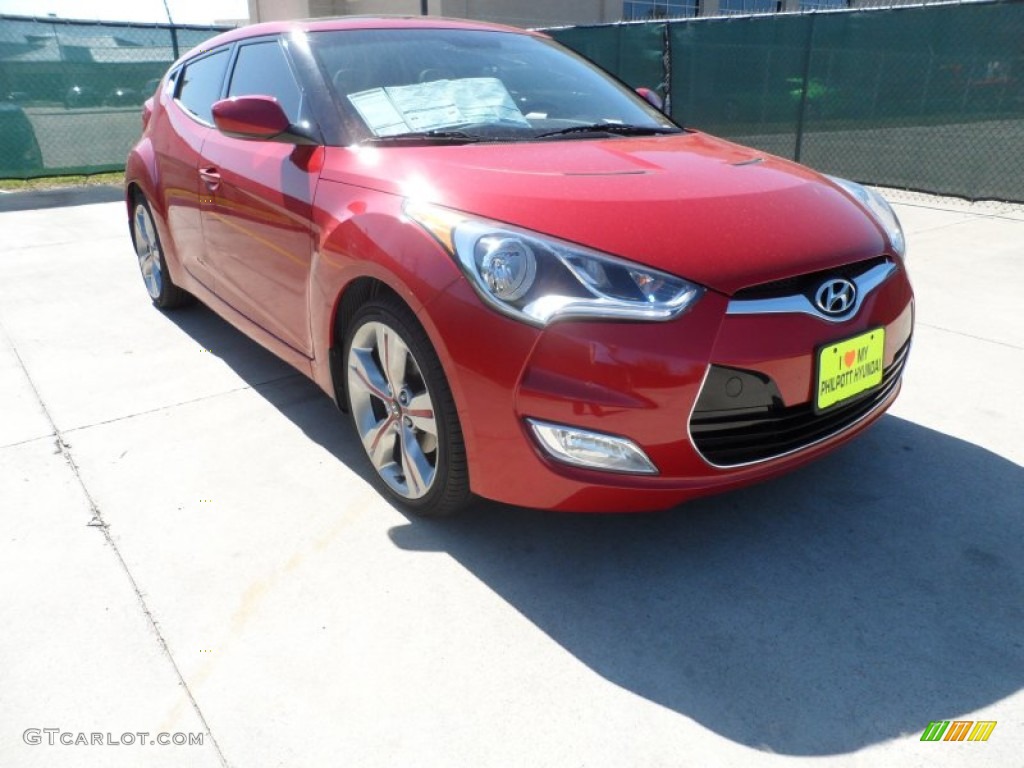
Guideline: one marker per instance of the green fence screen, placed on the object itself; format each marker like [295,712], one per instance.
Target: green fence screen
[71,92]
[634,52]
[928,98]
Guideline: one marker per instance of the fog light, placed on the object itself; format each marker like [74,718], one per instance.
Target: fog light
[593,450]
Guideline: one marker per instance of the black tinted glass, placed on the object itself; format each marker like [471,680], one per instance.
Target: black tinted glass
[262,69]
[201,84]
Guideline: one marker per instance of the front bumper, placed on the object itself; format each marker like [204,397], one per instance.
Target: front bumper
[643,381]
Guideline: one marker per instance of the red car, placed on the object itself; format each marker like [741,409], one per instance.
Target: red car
[520,278]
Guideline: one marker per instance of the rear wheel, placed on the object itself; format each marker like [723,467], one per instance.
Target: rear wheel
[162,290]
[403,410]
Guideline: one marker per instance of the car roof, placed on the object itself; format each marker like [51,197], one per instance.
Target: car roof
[351,22]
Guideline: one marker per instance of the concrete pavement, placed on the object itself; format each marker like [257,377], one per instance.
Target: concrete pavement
[190,547]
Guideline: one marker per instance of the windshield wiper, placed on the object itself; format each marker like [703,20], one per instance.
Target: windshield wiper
[421,137]
[616,129]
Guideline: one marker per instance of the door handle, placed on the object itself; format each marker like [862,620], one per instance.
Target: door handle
[210,177]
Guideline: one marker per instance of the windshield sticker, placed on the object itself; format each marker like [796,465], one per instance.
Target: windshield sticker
[426,106]
[436,105]
[378,112]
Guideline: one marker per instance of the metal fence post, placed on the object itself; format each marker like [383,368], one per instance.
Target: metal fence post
[798,149]
[174,42]
[666,64]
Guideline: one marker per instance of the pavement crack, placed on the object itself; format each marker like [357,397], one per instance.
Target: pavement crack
[61,244]
[971,336]
[63,447]
[979,209]
[254,387]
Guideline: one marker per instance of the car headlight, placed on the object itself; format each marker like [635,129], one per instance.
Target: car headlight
[539,279]
[880,209]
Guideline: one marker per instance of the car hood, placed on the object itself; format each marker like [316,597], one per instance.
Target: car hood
[702,208]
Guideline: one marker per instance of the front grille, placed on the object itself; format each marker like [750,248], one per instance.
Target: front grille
[808,283]
[740,436]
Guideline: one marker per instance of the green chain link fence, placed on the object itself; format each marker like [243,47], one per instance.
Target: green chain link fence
[71,92]
[927,98]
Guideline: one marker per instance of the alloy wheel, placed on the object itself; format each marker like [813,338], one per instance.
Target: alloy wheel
[393,410]
[147,247]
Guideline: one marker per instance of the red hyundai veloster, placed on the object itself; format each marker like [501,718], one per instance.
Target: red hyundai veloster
[519,277]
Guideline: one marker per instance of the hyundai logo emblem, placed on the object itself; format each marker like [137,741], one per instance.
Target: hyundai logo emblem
[836,296]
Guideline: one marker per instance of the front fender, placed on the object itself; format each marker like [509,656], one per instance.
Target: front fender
[362,233]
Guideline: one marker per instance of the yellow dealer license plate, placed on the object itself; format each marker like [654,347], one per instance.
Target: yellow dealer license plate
[848,368]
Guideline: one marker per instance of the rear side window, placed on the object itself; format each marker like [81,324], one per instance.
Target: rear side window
[261,69]
[201,83]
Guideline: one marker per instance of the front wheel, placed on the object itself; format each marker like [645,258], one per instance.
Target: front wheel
[403,410]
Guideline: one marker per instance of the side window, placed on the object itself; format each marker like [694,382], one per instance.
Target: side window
[200,84]
[261,69]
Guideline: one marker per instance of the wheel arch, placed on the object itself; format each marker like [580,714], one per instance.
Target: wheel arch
[353,295]
[132,193]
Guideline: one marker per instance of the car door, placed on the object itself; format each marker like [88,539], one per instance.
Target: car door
[188,97]
[257,210]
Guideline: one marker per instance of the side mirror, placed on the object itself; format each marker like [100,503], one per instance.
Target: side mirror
[259,118]
[652,98]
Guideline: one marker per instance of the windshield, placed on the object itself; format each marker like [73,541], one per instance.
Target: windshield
[473,85]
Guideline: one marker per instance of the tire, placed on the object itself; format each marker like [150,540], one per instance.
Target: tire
[162,290]
[403,412]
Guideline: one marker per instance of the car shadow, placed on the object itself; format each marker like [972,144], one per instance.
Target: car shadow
[845,604]
[288,390]
[840,606]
